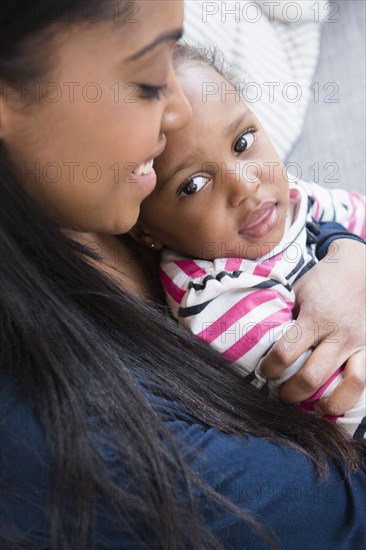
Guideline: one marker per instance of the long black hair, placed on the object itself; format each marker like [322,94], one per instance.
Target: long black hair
[82,346]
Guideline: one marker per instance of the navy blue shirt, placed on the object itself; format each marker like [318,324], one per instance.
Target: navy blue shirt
[270,480]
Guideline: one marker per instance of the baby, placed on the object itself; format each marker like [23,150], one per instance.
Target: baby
[234,234]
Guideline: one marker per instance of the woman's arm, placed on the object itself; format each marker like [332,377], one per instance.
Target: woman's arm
[331,317]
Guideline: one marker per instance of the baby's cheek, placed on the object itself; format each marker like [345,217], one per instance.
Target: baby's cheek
[212,241]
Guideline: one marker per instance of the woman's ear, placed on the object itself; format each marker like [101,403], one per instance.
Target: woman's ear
[143,237]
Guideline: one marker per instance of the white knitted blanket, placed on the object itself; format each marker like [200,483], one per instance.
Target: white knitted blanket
[273,48]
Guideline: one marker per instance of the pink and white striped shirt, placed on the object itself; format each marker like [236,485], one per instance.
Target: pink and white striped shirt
[241,306]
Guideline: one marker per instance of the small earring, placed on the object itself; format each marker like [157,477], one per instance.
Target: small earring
[152,245]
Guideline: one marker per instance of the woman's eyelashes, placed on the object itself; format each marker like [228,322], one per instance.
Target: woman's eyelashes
[152,92]
[245,141]
[193,185]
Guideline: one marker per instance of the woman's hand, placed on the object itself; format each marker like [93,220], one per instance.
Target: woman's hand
[331,300]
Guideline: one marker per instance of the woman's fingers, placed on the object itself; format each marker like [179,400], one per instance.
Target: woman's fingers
[328,354]
[349,391]
[319,367]
[331,320]
[296,340]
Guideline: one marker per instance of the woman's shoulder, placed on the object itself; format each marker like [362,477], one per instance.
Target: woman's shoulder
[273,482]
[266,478]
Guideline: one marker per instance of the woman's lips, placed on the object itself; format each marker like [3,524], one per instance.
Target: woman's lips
[144,174]
[145,177]
[262,221]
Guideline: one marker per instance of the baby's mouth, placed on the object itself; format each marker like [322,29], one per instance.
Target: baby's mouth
[261,221]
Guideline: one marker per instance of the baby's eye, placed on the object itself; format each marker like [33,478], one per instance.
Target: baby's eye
[193,185]
[245,141]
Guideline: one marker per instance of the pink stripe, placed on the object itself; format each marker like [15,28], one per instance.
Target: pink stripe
[264,269]
[318,394]
[293,194]
[253,336]
[190,268]
[233,264]
[353,218]
[236,312]
[317,204]
[172,289]
[308,404]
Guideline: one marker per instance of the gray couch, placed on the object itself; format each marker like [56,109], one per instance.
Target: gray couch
[332,141]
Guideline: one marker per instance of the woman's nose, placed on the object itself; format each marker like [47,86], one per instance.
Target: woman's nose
[240,184]
[178,111]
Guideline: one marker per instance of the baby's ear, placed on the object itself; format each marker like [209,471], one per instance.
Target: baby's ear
[143,237]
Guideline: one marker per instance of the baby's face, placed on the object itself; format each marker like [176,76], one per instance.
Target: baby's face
[222,189]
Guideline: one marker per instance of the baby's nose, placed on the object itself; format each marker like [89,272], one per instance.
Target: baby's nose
[240,181]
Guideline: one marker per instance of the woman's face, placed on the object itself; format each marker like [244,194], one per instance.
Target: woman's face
[77,137]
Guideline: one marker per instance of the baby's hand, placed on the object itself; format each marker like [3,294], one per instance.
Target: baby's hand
[331,301]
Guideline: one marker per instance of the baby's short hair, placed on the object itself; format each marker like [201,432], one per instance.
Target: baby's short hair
[185,54]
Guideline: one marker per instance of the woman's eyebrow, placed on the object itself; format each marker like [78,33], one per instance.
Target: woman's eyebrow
[175,35]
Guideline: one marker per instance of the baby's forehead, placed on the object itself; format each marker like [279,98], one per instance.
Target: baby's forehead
[216,107]
[203,84]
